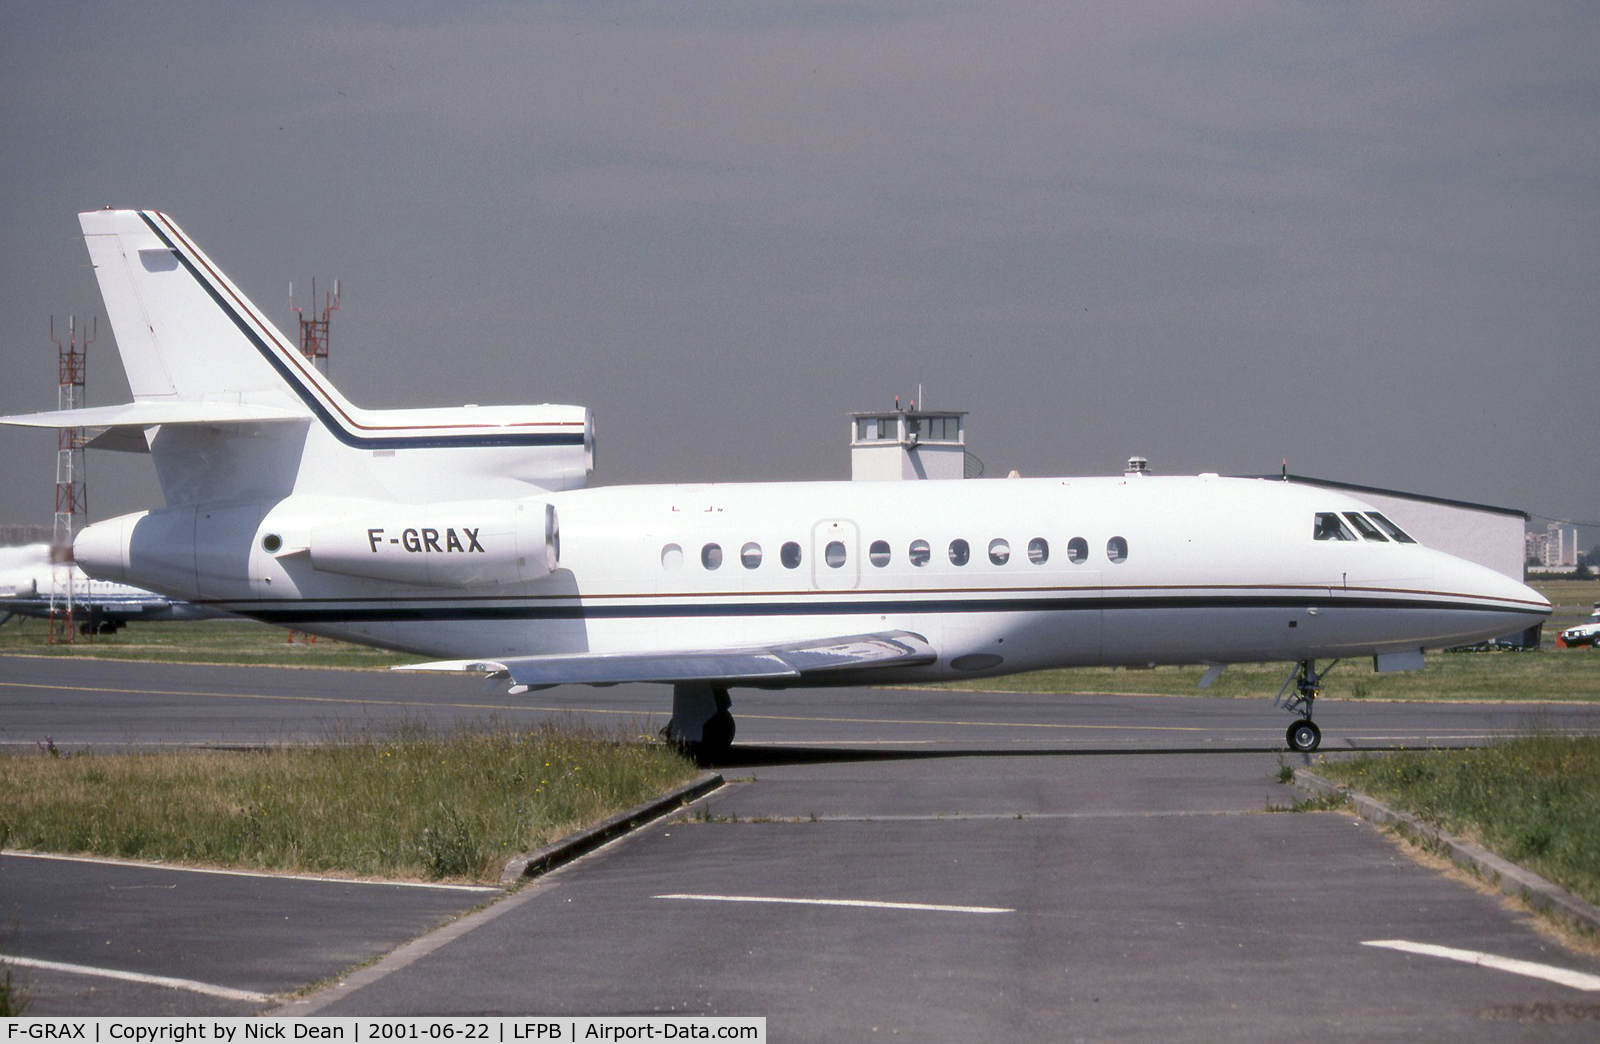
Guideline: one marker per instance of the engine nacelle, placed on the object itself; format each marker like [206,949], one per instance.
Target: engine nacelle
[451,544]
[236,550]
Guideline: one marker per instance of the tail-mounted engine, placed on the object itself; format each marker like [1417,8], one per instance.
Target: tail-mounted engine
[459,544]
[206,552]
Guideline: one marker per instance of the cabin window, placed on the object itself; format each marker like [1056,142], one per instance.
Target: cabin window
[878,553]
[750,555]
[1038,550]
[789,555]
[920,553]
[711,556]
[1329,527]
[1117,549]
[1365,528]
[672,557]
[833,554]
[1400,536]
[999,552]
[1077,550]
[959,552]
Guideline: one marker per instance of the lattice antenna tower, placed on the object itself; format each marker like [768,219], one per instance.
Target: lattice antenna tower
[314,331]
[72,492]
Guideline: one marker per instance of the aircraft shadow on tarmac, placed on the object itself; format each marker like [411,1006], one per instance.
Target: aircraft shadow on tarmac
[767,756]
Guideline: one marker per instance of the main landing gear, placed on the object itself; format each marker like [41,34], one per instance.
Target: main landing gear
[701,724]
[1303,735]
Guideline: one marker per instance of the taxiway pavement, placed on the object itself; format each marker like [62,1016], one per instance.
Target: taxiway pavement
[938,866]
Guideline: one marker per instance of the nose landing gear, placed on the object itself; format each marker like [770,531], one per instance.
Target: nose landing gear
[1303,736]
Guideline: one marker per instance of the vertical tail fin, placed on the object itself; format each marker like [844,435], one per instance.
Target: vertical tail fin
[220,381]
[184,331]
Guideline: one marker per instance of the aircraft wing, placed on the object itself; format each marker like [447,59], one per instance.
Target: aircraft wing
[792,660]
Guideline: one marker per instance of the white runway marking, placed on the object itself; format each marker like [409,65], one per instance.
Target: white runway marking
[869,904]
[1550,973]
[225,992]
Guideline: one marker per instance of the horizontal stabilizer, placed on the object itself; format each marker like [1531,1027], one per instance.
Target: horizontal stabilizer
[143,415]
[768,663]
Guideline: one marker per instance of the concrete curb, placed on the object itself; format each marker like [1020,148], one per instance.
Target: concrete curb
[529,864]
[1511,879]
[541,860]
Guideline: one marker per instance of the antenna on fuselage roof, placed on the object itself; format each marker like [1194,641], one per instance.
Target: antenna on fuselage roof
[1286,469]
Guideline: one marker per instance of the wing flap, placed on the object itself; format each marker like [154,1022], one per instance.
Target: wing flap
[793,660]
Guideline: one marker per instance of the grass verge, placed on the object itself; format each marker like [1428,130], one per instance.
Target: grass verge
[13,1001]
[1571,601]
[1564,675]
[244,642]
[408,805]
[1534,800]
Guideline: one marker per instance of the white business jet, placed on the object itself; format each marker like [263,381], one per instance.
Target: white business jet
[468,533]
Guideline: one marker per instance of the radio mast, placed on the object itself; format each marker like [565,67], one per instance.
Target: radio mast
[72,494]
[314,331]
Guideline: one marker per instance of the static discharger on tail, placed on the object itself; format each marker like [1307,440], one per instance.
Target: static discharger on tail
[470,534]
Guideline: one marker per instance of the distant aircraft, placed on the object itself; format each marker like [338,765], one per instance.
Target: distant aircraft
[29,577]
[436,531]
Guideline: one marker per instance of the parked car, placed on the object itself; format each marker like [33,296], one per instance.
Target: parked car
[1586,633]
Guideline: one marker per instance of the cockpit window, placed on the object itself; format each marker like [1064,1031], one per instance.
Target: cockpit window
[1393,530]
[1365,528]
[1330,528]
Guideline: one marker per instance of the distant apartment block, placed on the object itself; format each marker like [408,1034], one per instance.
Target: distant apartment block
[1556,549]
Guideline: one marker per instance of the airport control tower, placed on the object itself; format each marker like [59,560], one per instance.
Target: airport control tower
[908,443]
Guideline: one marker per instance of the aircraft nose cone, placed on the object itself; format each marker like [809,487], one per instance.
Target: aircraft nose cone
[1505,605]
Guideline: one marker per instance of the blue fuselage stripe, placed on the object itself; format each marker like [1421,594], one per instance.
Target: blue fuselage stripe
[386,611]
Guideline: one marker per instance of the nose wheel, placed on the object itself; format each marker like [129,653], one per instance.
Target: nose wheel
[1303,736]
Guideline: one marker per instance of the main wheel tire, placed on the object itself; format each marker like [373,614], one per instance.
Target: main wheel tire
[716,736]
[1304,736]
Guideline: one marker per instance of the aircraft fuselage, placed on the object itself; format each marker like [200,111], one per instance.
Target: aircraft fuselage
[998,575]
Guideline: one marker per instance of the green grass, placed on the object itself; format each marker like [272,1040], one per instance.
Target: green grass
[1534,800]
[1546,674]
[201,641]
[13,1000]
[409,805]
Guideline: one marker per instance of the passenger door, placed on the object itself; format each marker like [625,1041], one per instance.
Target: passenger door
[835,555]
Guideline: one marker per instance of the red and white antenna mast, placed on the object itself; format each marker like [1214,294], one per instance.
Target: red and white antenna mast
[72,493]
[314,331]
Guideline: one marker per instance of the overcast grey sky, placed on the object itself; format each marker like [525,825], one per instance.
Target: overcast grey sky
[1361,236]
